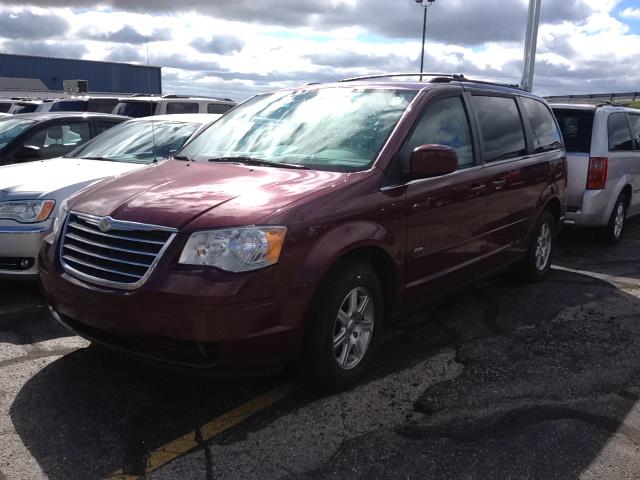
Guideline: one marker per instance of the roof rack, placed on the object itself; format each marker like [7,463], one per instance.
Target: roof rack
[434,78]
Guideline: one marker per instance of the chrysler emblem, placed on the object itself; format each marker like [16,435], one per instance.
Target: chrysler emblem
[105,224]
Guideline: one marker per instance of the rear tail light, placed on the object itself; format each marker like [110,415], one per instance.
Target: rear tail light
[597,175]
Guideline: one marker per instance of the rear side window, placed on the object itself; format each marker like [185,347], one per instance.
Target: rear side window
[69,106]
[619,133]
[4,107]
[500,127]
[101,105]
[576,127]
[218,108]
[545,132]
[182,107]
[634,120]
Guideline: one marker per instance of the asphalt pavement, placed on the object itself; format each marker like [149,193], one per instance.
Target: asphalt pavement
[503,381]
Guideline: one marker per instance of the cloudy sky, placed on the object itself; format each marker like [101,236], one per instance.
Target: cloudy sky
[239,47]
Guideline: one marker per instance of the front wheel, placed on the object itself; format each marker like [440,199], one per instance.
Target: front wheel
[343,328]
[537,264]
[612,233]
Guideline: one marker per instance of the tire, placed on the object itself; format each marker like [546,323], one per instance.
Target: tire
[542,245]
[325,366]
[613,232]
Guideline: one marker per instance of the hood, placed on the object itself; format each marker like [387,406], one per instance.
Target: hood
[175,193]
[36,179]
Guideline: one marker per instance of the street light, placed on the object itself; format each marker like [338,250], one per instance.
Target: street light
[425,5]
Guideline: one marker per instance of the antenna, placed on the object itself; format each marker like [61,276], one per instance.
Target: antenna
[153,129]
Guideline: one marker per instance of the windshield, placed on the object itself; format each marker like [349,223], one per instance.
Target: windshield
[339,129]
[10,128]
[23,108]
[141,141]
[135,109]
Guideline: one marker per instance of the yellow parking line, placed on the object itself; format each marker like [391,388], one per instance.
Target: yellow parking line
[185,443]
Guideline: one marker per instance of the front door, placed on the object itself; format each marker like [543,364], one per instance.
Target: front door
[446,216]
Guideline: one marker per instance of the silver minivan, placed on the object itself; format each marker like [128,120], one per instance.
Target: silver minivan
[603,163]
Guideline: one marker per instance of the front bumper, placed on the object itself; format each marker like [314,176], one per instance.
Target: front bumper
[21,242]
[182,318]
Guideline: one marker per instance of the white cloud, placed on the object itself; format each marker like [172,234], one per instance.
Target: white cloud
[630,12]
[583,47]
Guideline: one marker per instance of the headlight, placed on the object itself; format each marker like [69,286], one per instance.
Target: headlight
[62,214]
[27,211]
[235,249]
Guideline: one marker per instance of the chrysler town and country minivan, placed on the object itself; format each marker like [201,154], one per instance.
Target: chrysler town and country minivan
[299,224]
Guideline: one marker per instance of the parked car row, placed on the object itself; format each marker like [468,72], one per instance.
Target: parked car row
[133,106]
[299,224]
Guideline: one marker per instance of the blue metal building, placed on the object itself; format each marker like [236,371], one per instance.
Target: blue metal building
[25,72]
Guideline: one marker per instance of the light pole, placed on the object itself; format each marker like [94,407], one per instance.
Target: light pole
[425,5]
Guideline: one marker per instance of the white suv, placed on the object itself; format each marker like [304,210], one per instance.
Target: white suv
[603,161]
[144,106]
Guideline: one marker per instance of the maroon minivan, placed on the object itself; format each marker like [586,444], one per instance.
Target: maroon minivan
[296,226]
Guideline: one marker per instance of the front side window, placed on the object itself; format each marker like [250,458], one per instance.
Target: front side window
[10,128]
[104,125]
[59,139]
[444,122]
[141,141]
[500,128]
[546,136]
[619,134]
[181,107]
[335,128]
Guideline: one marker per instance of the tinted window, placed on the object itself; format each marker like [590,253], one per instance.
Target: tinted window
[619,133]
[69,106]
[444,122]
[545,132]
[576,127]
[500,127]
[182,107]
[4,107]
[135,109]
[103,125]
[60,139]
[101,106]
[635,127]
[219,108]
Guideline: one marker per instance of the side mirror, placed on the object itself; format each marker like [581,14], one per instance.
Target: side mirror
[429,161]
[28,151]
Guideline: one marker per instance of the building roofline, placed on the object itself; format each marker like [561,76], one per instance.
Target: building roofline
[80,60]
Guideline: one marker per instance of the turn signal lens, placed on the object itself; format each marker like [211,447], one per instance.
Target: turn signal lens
[597,175]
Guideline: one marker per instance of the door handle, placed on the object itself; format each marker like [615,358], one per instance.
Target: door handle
[477,188]
[498,184]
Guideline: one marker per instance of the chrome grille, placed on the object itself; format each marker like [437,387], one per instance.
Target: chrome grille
[111,252]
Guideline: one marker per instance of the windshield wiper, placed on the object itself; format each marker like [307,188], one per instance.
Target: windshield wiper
[258,162]
[182,157]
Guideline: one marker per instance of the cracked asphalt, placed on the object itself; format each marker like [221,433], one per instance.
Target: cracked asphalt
[503,381]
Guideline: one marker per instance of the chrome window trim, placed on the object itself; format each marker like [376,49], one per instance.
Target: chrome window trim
[122,225]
